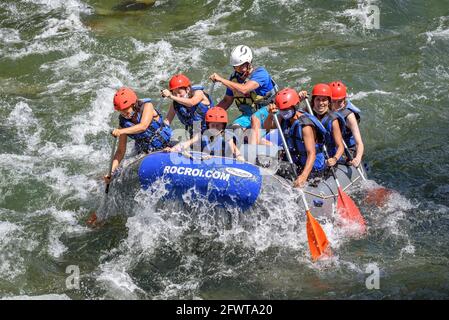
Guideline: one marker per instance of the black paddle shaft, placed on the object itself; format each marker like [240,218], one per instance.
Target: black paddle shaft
[110,163]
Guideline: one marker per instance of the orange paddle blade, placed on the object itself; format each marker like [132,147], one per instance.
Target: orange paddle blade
[378,196]
[92,221]
[318,242]
[348,209]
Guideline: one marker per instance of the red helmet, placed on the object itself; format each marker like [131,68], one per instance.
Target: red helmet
[178,81]
[286,98]
[217,114]
[338,90]
[322,89]
[124,98]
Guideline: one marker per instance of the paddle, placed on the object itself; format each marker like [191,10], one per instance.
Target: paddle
[211,91]
[318,243]
[377,196]
[114,143]
[93,217]
[350,157]
[345,205]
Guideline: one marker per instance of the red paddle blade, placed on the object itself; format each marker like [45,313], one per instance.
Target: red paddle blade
[318,242]
[348,209]
[378,197]
[92,219]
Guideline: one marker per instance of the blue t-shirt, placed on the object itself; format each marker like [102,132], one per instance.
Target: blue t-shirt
[262,77]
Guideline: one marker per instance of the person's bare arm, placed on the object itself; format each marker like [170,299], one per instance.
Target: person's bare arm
[170,115]
[188,102]
[309,142]
[338,139]
[360,148]
[147,117]
[226,102]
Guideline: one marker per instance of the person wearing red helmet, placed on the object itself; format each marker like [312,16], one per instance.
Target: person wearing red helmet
[351,114]
[215,140]
[190,103]
[141,122]
[303,132]
[332,122]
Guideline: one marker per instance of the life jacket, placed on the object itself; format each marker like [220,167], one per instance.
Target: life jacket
[295,141]
[327,121]
[155,137]
[217,145]
[196,113]
[250,103]
[345,112]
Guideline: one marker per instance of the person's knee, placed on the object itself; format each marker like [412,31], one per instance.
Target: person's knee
[255,122]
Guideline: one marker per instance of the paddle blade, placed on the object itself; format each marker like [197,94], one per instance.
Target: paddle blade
[348,209]
[92,220]
[318,242]
[378,197]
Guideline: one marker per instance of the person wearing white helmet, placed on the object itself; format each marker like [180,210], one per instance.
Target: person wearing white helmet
[251,88]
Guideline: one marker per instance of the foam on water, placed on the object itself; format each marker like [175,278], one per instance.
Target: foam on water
[441,33]
[56,27]
[22,118]
[12,245]
[68,28]
[363,94]
[69,6]
[160,61]
[41,297]
[96,119]
[8,35]
[76,186]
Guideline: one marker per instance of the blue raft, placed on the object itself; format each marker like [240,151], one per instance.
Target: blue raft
[225,181]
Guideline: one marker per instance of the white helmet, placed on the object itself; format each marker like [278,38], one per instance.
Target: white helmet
[240,55]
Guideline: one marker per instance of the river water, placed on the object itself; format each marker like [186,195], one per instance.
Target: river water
[60,64]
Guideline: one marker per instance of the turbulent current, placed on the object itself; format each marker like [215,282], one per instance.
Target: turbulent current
[60,64]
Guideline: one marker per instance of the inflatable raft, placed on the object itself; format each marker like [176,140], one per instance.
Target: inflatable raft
[220,180]
[321,194]
[224,181]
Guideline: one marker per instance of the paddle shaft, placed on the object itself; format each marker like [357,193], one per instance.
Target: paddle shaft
[315,235]
[211,91]
[284,142]
[289,157]
[114,143]
[348,153]
[159,103]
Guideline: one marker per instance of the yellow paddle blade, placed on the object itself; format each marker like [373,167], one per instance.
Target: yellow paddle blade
[318,242]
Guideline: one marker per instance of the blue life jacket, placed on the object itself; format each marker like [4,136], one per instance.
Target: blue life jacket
[345,112]
[196,113]
[295,141]
[155,137]
[327,121]
[218,146]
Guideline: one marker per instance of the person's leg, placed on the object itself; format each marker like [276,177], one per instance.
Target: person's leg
[243,121]
[257,121]
[239,126]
